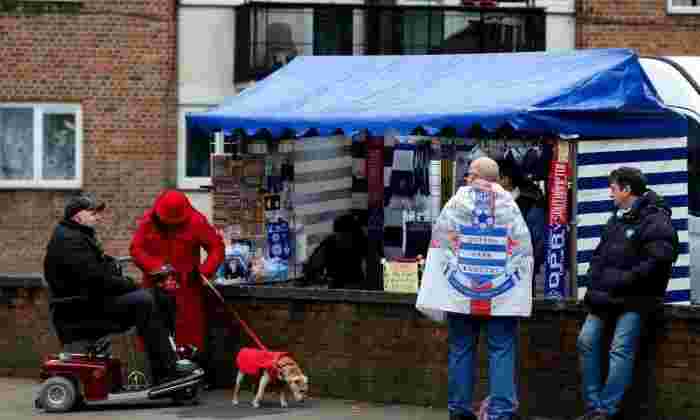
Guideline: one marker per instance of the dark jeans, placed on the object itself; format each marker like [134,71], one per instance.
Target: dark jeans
[139,308]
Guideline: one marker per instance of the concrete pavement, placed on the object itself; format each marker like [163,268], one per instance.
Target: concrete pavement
[17,396]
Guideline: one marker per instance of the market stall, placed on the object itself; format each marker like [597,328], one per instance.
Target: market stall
[386,139]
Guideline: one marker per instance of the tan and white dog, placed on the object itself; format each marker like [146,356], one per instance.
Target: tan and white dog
[273,368]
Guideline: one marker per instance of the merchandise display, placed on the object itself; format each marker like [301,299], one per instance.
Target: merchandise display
[276,209]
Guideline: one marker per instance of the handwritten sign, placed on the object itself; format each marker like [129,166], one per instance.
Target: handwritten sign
[401,277]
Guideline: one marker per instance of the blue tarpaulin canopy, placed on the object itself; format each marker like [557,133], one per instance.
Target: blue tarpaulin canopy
[589,93]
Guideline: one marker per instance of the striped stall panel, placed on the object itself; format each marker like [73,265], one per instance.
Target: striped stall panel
[322,185]
[664,163]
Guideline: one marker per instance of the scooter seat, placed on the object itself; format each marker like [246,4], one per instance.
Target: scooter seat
[101,347]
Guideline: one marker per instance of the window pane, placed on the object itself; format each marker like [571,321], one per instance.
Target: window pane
[279,36]
[333,31]
[422,30]
[16,143]
[197,154]
[685,2]
[59,146]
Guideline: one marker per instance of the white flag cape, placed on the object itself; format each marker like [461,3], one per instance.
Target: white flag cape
[480,260]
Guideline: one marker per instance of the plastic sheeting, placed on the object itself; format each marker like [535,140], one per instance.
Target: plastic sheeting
[480,260]
[589,93]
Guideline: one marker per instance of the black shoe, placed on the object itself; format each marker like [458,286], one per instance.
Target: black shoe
[462,416]
[594,415]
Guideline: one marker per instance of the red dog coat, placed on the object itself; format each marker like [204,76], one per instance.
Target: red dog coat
[252,361]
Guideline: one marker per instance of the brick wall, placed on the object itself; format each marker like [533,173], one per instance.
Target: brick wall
[373,347]
[118,61]
[641,25]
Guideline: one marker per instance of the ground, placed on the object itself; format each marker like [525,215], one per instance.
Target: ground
[17,395]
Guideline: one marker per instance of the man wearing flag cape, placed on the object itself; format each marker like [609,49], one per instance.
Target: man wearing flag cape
[479,272]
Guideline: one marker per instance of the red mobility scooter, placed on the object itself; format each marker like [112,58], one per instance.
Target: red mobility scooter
[93,377]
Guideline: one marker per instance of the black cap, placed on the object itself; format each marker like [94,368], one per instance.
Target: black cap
[82,202]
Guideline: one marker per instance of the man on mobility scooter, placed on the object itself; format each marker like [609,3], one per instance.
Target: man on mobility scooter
[90,298]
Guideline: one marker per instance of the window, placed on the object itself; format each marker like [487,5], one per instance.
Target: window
[269,35]
[333,32]
[193,170]
[683,6]
[40,146]
[422,31]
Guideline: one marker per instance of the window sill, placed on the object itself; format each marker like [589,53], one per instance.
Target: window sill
[683,10]
[28,186]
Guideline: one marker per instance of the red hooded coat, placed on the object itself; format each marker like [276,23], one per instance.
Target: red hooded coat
[152,247]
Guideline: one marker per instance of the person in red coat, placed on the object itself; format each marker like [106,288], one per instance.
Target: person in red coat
[172,233]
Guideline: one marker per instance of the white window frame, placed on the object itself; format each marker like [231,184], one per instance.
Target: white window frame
[185,182]
[37,182]
[681,10]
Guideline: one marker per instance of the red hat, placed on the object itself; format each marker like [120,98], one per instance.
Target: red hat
[173,208]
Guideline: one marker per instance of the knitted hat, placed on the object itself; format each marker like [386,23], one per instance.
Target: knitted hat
[173,208]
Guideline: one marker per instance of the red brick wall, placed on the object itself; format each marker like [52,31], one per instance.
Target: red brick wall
[642,25]
[118,60]
[385,352]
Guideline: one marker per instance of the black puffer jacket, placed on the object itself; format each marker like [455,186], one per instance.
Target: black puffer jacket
[631,266]
[76,267]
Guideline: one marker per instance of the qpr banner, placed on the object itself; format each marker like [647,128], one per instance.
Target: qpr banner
[480,259]
[557,228]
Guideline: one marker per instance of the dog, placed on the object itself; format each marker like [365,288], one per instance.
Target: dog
[272,368]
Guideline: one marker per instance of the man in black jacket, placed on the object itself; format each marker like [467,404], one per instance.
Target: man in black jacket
[90,297]
[629,273]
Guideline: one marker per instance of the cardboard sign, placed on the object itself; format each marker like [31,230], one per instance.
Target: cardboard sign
[401,277]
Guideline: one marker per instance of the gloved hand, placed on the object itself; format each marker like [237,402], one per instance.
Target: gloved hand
[164,270]
[166,278]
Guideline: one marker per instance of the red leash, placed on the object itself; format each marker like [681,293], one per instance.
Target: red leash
[245,326]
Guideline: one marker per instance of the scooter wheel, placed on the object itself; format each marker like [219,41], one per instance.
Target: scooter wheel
[57,395]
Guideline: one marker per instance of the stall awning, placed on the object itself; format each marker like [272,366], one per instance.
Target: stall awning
[589,93]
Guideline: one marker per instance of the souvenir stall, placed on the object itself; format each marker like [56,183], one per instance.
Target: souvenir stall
[387,141]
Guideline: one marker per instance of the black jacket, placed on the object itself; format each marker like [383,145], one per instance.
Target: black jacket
[337,265]
[532,205]
[76,267]
[631,266]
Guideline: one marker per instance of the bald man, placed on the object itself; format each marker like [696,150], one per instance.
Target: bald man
[483,168]
[463,333]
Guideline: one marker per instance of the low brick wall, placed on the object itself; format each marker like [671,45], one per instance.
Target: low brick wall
[374,346]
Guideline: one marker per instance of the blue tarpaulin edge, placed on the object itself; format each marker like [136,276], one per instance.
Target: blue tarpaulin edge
[586,93]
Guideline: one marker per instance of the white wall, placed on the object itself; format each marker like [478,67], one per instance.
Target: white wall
[561,32]
[205,43]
